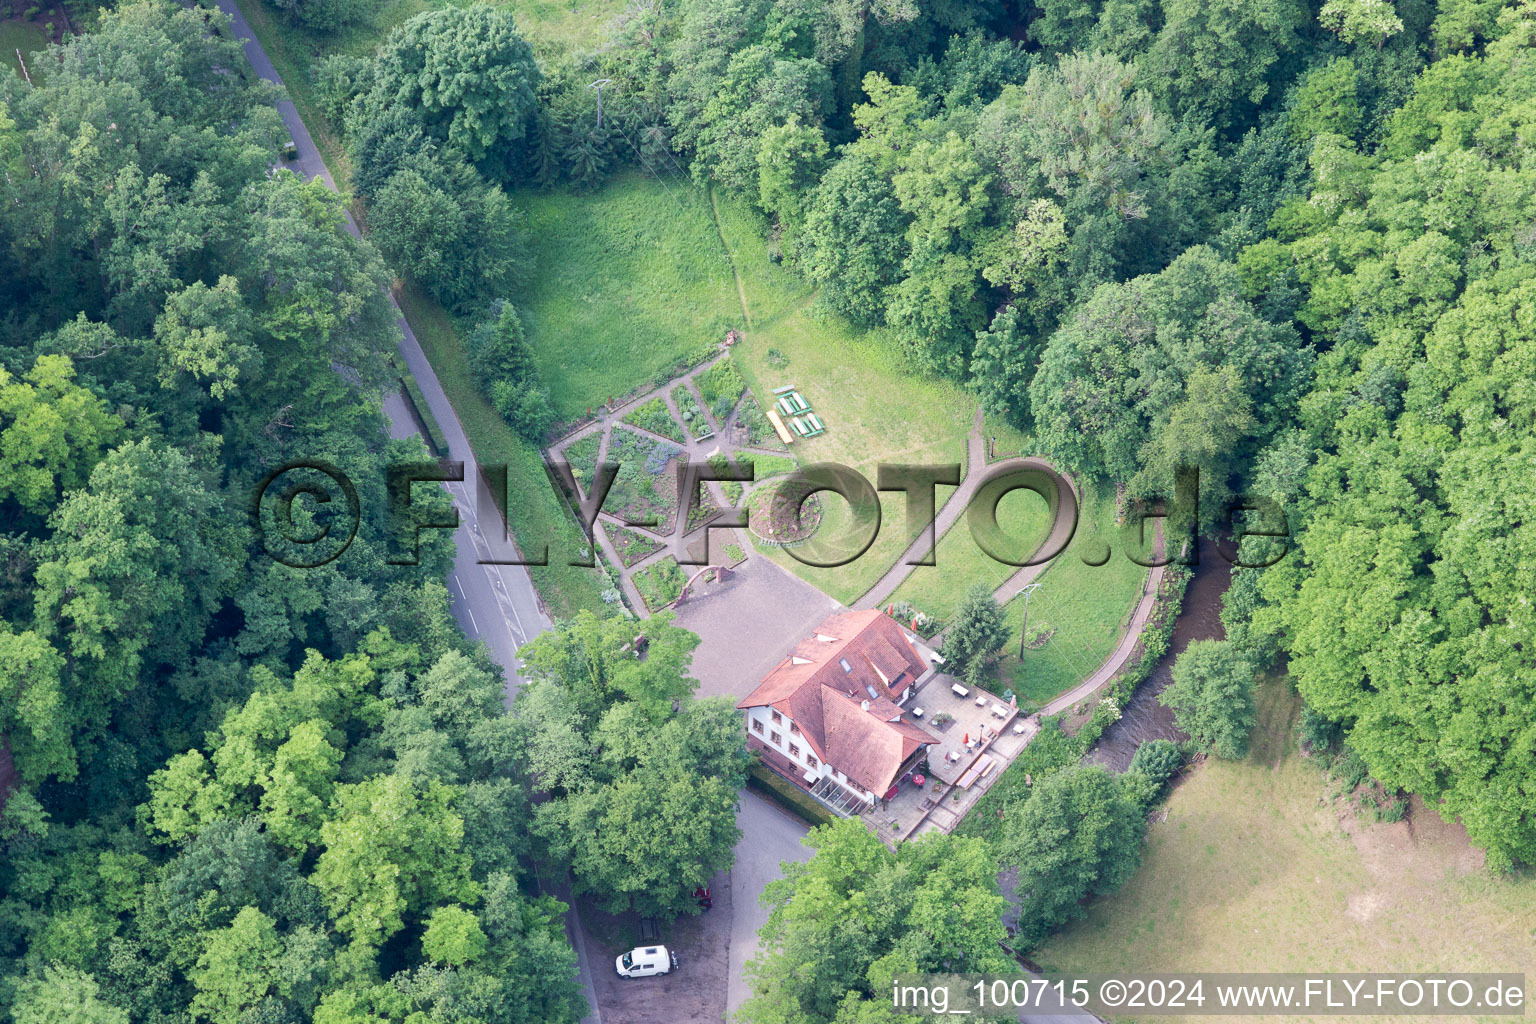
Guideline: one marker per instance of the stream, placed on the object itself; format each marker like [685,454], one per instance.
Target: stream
[1199,619]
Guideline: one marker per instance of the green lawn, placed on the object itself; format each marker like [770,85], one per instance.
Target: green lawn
[630,285]
[538,515]
[20,35]
[1255,869]
[1088,606]
[875,410]
[960,564]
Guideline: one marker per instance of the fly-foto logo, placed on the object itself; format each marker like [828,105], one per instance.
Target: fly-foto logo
[308,512]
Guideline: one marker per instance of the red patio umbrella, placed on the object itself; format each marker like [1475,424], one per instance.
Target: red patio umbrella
[967,740]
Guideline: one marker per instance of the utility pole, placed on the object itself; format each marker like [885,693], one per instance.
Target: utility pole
[1029,588]
[597,86]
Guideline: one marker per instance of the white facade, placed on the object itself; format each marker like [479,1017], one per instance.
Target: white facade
[781,736]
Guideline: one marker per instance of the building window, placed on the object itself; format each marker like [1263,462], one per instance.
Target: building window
[794,751]
[777,739]
[810,759]
[777,718]
[793,728]
[757,725]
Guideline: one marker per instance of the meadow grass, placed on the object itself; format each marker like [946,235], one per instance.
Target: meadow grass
[630,284]
[875,410]
[1088,606]
[772,291]
[535,513]
[960,564]
[20,35]
[1255,869]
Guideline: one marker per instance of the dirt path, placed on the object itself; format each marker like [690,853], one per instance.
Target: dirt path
[948,517]
[741,291]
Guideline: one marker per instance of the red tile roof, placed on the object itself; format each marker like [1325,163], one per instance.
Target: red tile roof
[813,689]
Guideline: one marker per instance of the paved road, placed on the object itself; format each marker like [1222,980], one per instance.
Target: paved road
[497,604]
[769,836]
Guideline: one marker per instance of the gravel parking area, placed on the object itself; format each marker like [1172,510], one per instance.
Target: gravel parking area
[694,992]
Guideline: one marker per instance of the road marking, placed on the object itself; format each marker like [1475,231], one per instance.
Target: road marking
[471,613]
[455,577]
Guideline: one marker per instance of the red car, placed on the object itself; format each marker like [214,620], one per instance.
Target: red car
[702,895]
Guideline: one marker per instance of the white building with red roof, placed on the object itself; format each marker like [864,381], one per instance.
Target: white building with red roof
[829,718]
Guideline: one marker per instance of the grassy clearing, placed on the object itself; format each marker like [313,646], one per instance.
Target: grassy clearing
[875,411]
[772,291]
[20,35]
[536,514]
[1255,870]
[959,564]
[1087,606]
[630,285]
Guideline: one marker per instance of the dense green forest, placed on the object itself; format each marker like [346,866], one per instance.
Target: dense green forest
[246,792]
[1291,245]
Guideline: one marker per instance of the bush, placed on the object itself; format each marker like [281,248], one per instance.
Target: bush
[1157,760]
[325,15]
[1314,732]
[502,365]
[1212,697]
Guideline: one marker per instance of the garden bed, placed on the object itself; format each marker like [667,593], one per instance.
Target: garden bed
[688,409]
[655,417]
[582,455]
[773,517]
[721,386]
[660,584]
[631,545]
[646,484]
[751,429]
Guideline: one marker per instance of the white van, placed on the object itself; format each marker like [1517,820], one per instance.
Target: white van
[644,961]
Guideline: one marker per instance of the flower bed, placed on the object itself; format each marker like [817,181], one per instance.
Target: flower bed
[655,417]
[688,409]
[631,545]
[660,584]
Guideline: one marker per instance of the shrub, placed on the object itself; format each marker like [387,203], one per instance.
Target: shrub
[1314,732]
[503,368]
[1212,696]
[1157,760]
